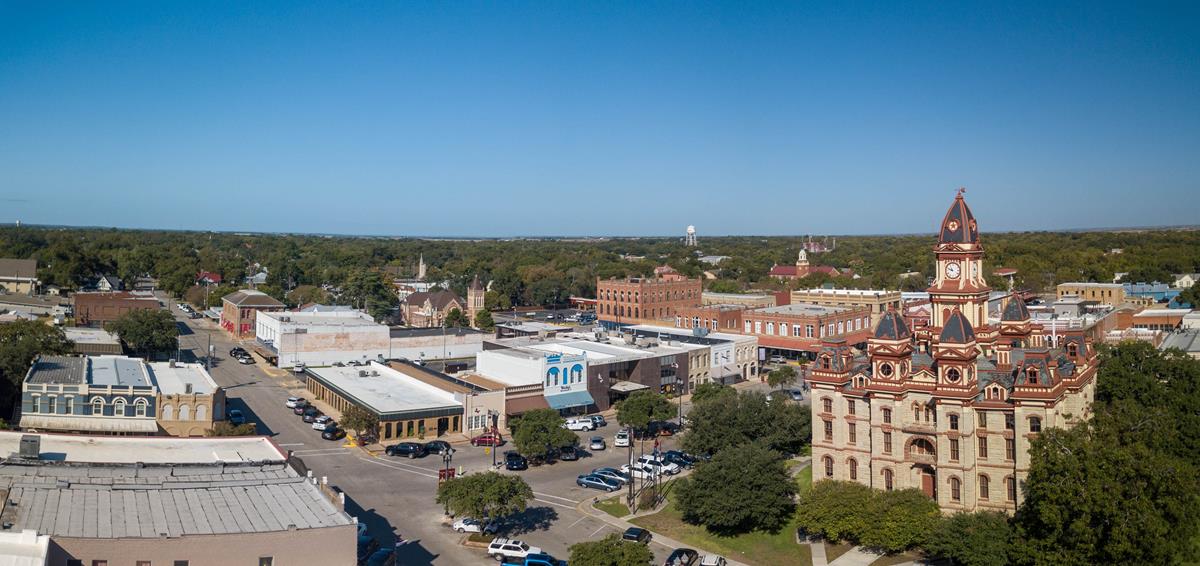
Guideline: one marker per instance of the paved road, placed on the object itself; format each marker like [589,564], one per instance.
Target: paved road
[396,496]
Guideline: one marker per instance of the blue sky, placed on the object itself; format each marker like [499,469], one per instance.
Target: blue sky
[612,118]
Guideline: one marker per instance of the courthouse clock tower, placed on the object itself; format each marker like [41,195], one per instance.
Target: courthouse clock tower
[959,283]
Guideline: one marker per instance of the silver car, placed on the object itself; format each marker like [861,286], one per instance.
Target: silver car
[597,443]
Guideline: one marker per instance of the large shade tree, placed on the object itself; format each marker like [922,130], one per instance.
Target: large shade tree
[147,331]
[487,495]
[742,489]
[726,420]
[539,431]
[21,342]
[644,407]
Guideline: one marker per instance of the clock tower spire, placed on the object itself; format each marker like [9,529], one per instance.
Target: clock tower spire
[959,283]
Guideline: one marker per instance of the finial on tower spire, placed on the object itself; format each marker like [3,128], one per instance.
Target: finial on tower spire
[962,191]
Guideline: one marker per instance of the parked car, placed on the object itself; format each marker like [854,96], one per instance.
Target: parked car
[712,560]
[797,395]
[580,424]
[535,560]
[366,545]
[323,422]
[293,401]
[636,534]
[597,443]
[682,557]
[682,459]
[409,449]
[469,525]
[594,481]
[506,548]
[333,434]
[661,428]
[778,359]
[621,439]
[598,420]
[311,414]
[385,556]
[246,360]
[612,474]
[236,417]
[639,471]
[299,409]
[513,460]
[438,447]
[568,453]
[237,351]
[661,465]
[488,439]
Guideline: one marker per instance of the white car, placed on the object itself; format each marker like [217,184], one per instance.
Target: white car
[639,471]
[322,422]
[621,439]
[502,548]
[659,465]
[584,424]
[712,560]
[469,525]
[293,401]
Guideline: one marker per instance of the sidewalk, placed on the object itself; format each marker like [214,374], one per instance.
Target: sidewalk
[585,508]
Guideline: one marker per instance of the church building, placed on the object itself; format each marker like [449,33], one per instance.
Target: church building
[949,409]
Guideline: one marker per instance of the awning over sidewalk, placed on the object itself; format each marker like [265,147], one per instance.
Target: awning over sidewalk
[627,387]
[90,424]
[519,405]
[569,400]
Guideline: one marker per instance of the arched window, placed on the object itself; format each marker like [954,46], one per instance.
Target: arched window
[97,405]
[201,412]
[828,466]
[1035,424]
[552,376]
[916,412]
[953,422]
[887,416]
[827,405]
[853,465]
[887,479]
[955,489]
[140,406]
[168,412]
[119,408]
[185,413]
[984,487]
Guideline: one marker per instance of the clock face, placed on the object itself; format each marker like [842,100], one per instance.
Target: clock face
[952,270]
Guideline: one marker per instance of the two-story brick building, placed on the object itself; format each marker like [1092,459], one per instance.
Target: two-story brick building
[239,311]
[621,302]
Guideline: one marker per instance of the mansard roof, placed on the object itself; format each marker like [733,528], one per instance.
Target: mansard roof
[1015,311]
[957,330]
[892,327]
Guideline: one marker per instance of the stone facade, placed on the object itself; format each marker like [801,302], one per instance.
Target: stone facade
[949,409]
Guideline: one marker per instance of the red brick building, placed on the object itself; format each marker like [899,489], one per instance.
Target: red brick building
[802,327]
[637,300]
[717,318]
[240,308]
[96,309]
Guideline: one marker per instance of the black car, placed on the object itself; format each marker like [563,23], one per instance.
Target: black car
[410,449]
[238,352]
[437,447]
[682,459]
[568,453]
[682,557]
[515,461]
[311,414]
[236,417]
[636,534]
[333,434]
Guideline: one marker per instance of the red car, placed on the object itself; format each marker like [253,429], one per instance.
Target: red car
[487,439]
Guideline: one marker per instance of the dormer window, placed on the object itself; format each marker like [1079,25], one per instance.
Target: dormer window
[825,362]
[1072,349]
[1031,375]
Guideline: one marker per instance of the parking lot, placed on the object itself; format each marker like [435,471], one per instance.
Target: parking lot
[395,496]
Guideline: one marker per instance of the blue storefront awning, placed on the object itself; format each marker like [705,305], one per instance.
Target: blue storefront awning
[568,400]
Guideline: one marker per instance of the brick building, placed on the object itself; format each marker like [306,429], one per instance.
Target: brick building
[635,300]
[949,409]
[724,318]
[792,329]
[239,311]
[429,309]
[96,309]
[878,301]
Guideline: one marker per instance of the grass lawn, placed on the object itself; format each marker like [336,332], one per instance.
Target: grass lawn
[613,507]
[765,549]
[833,551]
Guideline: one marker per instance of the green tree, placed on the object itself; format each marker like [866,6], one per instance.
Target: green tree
[22,341]
[217,292]
[539,430]
[456,319]
[728,420]
[724,286]
[971,539]
[225,428]
[484,321]
[367,290]
[836,510]
[710,390]
[643,407]
[784,375]
[359,420]
[725,498]
[610,551]
[900,520]
[487,495]
[147,331]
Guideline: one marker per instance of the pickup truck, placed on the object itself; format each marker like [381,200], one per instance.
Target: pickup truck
[535,560]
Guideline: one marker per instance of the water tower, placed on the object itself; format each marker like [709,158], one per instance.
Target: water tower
[690,238]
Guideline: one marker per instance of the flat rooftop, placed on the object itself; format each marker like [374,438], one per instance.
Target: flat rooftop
[424,332]
[118,371]
[322,318]
[687,333]
[1097,285]
[1163,312]
[532,326]
[175,380]
[735,296]
[1186,340]
[58,370]
[146,449]
[847,292]
[90,336]
[111,502]
[385,390]
[801,309]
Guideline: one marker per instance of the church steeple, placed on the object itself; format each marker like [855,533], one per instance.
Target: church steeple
[802,258]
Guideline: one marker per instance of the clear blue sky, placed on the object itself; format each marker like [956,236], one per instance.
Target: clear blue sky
[568,118]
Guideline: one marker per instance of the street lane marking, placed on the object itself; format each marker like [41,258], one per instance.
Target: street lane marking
[555,497]
[293,444]
[387,465]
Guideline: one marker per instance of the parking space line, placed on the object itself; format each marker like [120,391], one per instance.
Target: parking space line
[577,521]
[602,527]
[553,503]
[554,497]
[394,467]
[293,444]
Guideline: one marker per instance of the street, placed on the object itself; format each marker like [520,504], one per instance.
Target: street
[395,496]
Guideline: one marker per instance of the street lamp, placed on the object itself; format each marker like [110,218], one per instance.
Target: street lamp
[447,456]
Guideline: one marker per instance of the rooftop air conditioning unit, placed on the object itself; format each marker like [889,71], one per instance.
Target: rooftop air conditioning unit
[362,373]
[31,446]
